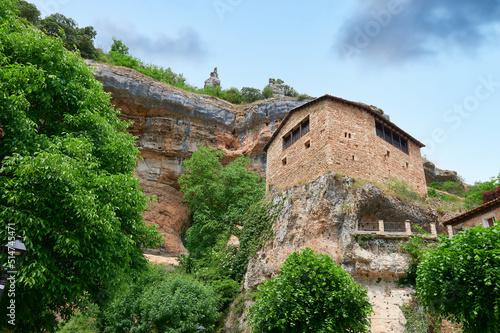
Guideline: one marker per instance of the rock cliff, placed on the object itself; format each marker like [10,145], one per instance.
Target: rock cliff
[170,124]
[323,215]
[433,174]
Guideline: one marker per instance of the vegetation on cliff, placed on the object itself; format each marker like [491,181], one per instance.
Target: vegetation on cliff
[66,179]
[470,198]
[224,202]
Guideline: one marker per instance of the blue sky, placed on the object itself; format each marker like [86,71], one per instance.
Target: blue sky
[433,66]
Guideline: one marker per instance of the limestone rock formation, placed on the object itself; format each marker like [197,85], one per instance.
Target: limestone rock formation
[433,174]
[213,81]
[170,124]
[276,87]
[323,215]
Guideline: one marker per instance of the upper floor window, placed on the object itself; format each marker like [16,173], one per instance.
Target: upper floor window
[296,133]
[392,137]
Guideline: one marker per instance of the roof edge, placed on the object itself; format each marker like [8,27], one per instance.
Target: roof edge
[345,101]
[473,212]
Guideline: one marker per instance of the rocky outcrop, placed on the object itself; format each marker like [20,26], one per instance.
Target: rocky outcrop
[433,174]
[213,81]
[170,124]
[323,215]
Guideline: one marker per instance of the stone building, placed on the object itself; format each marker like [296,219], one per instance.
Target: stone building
[484,215]
[341,136]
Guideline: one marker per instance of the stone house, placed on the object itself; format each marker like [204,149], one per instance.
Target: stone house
[484,215]
[333,134]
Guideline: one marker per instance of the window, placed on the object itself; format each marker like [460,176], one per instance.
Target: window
[307,144]
[489,222]
[283,161]
[392,137]
[296,133]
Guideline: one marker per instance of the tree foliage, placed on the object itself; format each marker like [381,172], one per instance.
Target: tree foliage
[218,197]
[28,11]
[460,279]
[66,177]
[160,301]
[73,37]
[311,294]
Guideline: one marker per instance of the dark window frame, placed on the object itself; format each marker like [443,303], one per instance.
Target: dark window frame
[389,135]
[296,133]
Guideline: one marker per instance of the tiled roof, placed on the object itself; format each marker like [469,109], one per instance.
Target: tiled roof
[474,212]
[367,108]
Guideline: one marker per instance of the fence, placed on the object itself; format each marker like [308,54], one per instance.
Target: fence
[398,229]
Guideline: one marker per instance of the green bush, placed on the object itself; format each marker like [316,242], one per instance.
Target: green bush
[250,95]
[161,301]
[267,92]
[460,279]
[311,294]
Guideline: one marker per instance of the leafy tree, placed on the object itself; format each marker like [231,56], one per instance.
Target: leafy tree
[267,92]
[460,279]
[66,178]
[288,91]
[28,11]
[232,95]
[160,301]
[73,37]
[218,197]
[250,94]
[311,294]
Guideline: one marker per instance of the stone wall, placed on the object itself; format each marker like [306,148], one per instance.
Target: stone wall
[342,140]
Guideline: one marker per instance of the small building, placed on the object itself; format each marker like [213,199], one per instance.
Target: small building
[333,134]
[484,215]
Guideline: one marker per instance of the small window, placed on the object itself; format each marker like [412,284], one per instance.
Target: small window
[407,165]
[283,161]
[307,144]
[490,221]
[349,135]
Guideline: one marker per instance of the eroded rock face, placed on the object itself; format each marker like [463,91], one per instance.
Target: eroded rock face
[170,124]
[323,215]
[433,174]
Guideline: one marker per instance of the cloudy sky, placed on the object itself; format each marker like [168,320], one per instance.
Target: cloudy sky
[432,65]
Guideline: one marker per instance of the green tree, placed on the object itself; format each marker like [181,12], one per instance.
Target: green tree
[267,92]
[66,178]
[73,37]
[460,279]
[311,294]
[250,95]
[28,11]
[218,197]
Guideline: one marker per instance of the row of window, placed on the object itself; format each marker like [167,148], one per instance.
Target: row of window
[291,137]
[392,137]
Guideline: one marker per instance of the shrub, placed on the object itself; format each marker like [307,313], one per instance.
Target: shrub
[159,302]
[311,294]
[250,95]
[460,279]
[267,92]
